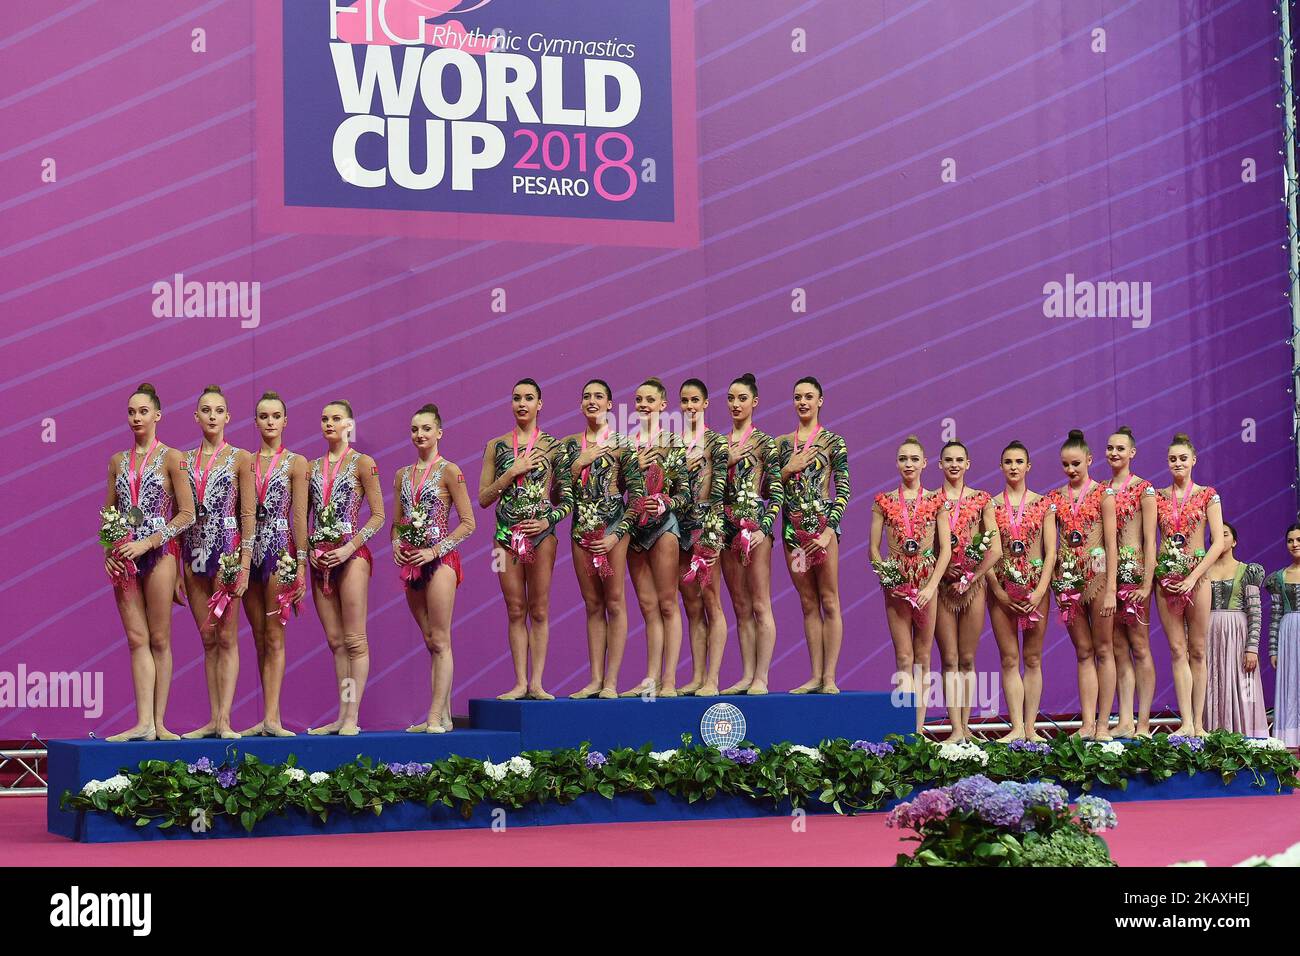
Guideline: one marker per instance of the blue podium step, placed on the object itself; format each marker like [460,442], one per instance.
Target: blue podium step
[74,762]
[661,721]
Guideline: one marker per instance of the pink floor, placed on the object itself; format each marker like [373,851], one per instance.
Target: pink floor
[1220,831]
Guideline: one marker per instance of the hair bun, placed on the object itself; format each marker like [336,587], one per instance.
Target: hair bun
[1076,433]
[213,389]
[146,388]
[749,377]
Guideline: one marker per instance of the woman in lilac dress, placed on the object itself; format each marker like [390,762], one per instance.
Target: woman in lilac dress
[340,558]
[423,495]
[1234,697]
[1284,642]
[148,487]
[222,485]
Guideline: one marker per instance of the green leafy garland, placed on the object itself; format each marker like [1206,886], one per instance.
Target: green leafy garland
[850,777]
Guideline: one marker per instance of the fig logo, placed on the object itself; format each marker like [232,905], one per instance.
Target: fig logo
[406,22]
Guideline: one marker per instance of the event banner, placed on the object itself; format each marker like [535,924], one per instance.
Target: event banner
[569,122]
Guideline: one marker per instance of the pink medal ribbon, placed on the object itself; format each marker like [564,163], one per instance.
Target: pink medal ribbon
[599,438]
[263,485]
[135,478]
[1015,519]
[328,476]
[744,439]
[800,449]
[911,547]
[201,474]
[527,448]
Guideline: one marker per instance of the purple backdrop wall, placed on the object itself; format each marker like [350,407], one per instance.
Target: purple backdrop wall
[819,170]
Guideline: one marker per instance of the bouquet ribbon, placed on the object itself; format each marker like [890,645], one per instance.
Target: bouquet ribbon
[700,570]
[642,507]
[813,556]
[410,573]
[126,578]
[910,593]
[600,566]
[218,603]
[1176,602]
[284,600]
[1131,603]
[318,552]
[522,546]
[1020,593]
[1069,603]
[743,543]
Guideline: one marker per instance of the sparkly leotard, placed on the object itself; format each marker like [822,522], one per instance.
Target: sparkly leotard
[440,537]
[602,483]
[706,485]
[1078,522]
[346,496]
[811,488]
[757,470]
[659,468]
[157,503]
[556,489]
[217,531]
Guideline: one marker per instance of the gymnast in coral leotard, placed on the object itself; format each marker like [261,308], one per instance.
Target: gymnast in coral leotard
[148,487]
[425,551]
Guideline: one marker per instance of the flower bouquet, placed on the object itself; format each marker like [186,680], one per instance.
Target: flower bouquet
[1019,583]
[325,537]
[976,822]
[1128,574]
[1172,567]
[809,518]
[656,480]
[591,530]
[961,568]
[113,530]
[286,577]
[228,571]
[413,535]
[530,501]
[707,544]
[743,513]
[1068,585]
[894,581]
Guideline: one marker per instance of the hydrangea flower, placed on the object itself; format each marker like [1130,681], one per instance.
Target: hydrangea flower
[227,777]
[202,765]
[662,756]
[1096,813]
[295,774]
[412,769]
[1178,740]
[596,759]
[1043,794]
[927,806]
[320,776]
[969,793]
[495,771]
[1112,747]
[1030,746]
[876,750]
[963,751]
[1264,743]
[1002,807]
[812,753]
[744,756]
[520,765]
[113,784]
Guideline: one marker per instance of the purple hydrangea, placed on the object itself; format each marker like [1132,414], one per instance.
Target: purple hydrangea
[1096,813]
[596,759]
[929,805]
[1030,746]
[202,765]
[1195,743]
[1044,794]
[876,750]
[227,777]
[412,769]
[969,793]
[1002,807]
[744,755]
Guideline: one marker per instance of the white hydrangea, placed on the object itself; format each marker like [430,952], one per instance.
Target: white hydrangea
[1252,861]
[811,753]
[965,750]
[320,776]
[495,771]
[662,756]
[1288,857]
[1266,743]
[113,784]
[295,773]
[92,786]
[520,765]
[1112,747]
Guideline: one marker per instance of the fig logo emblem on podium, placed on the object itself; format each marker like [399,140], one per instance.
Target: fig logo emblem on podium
[723,725]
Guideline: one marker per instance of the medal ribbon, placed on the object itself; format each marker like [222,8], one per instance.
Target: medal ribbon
[690,445]
[261,484]
[599,438]
[907,513]
[954,512]
[328,476]
[1015,518]
[527,449]
[201,474]
[744,439]
[1077,503]
[415,492]
[136,478]
[799,450]
[1180,506]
